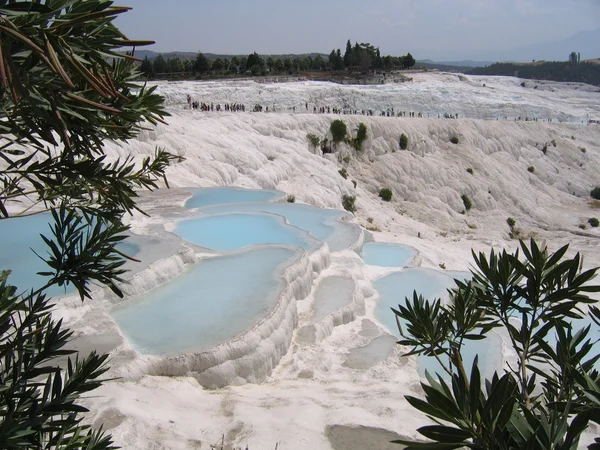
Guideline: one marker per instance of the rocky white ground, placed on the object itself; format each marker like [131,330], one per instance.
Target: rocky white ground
[312,395]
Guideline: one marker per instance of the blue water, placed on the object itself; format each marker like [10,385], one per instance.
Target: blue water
[226,232]
[211,303]
[323,224]
[387,255]
[217,196]
[431,284]
[18,252]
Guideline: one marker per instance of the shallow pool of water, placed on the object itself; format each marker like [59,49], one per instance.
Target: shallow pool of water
[322,224]
[225,232]
[431,284]
[213,302]
[387,255]
[223,195]
[19,252]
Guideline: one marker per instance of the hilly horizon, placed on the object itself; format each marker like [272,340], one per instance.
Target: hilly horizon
[587,43]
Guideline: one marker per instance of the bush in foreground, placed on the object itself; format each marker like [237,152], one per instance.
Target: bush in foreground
[454,140]
[548,394]
[595,193]
[593,222]
[61,98]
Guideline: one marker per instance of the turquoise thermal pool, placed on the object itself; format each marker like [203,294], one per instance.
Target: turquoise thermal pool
[431,284]
[20,252]
[387,255]
[211,303]
[323,224]
[225,232]
[224,195]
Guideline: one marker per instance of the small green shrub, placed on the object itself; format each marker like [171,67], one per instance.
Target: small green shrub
[531,169]
[595,193]
[403,141]
[582,149]
[343,173]
[514,232]
[338,130]
[291,198]
[314,140]
[582,226]
[361,136]
[545,149]
[347,159]
[593,222]
[271,158]
[454,140]
[466,201]
[370,219]
[470,170]
[573,137]
[354,183]
[385,194]
[348,203]
[553,142]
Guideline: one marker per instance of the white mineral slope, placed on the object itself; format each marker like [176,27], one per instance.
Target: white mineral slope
[311,387]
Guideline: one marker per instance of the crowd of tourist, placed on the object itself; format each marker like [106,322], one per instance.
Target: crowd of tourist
[319,109]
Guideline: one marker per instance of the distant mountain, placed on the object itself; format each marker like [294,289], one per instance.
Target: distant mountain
[464,63]
[151,54]
[586,42]
[212,56]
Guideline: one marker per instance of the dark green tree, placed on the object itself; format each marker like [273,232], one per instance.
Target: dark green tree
[201,64]
[547,395]
[308,62]
[234,65]
[574,58]
[255,63]
[146,67]
[61,98]
[409,61]
[332,58]
[159,65]
[319,63]
[339,61]
[279,65]
[218,65]
[175,64]
[348,55]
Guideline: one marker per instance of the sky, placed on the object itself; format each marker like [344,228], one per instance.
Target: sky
[442,30]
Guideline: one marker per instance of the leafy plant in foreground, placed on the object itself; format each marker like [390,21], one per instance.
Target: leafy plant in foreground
[64,91]
[546,395]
